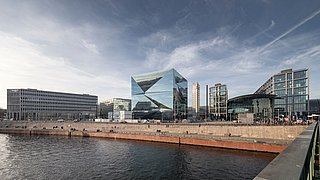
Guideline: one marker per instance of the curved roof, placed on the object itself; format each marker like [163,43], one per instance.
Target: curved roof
[252,96]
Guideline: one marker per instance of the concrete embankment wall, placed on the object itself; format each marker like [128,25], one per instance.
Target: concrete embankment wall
[263,132]
[262,147]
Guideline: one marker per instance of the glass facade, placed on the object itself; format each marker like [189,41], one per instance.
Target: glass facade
[292,87]
[260,105]
[160,95]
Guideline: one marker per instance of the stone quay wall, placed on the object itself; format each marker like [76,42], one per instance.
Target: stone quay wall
[248,146]
[243,131]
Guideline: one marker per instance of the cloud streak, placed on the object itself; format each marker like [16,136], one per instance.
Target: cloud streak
[291,29]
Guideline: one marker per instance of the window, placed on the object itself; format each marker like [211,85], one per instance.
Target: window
[300,83]
[279,78]
[299,91]
[280,92]
[281,85]
[300,99]
[300,74]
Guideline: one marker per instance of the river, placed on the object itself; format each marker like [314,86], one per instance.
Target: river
[59,157]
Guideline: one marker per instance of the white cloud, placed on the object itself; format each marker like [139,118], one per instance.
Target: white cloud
[90,46]
[24,65]
[303,56]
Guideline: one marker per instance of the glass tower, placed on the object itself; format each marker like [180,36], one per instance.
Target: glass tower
[160,95]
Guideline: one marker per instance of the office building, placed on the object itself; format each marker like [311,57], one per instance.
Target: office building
[292,86]
[33,104]
[218,97]
[196,97]
[160,95]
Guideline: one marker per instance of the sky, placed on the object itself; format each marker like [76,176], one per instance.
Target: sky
[94,47]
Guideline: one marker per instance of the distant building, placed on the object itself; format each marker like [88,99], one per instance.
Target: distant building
[3,113]
[120,104]
[218,97]
[292,86]
[110,108]
[104,108]
[196,97]
[314,106]
[33,104]
[252,106]
[159,95]
[120,115]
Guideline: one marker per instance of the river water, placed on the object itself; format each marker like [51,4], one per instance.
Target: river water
[55,157]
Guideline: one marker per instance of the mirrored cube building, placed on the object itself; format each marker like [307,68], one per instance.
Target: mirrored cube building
[160,95]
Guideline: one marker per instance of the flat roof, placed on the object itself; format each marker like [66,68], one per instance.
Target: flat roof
[252,96]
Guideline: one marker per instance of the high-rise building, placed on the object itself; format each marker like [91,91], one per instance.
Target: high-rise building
[292,86]
[160,95]
[218,97]
[196,97]
[33,104]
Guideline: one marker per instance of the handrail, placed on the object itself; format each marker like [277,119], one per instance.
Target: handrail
[297,160]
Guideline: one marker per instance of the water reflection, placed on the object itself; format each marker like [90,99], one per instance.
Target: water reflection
[50,157]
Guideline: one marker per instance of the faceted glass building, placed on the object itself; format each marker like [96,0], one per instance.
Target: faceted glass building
[160,95]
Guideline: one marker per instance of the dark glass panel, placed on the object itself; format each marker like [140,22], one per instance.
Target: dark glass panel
[300,74]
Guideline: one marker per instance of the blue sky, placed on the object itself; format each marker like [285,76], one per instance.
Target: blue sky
[95,46]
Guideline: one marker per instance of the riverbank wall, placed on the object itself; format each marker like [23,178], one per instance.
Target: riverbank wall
[244,131]
[181,140]
[272,139]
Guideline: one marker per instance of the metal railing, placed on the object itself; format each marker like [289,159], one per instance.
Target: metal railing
[297,160]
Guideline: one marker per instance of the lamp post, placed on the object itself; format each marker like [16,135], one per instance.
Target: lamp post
[161,116]
[278,115]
